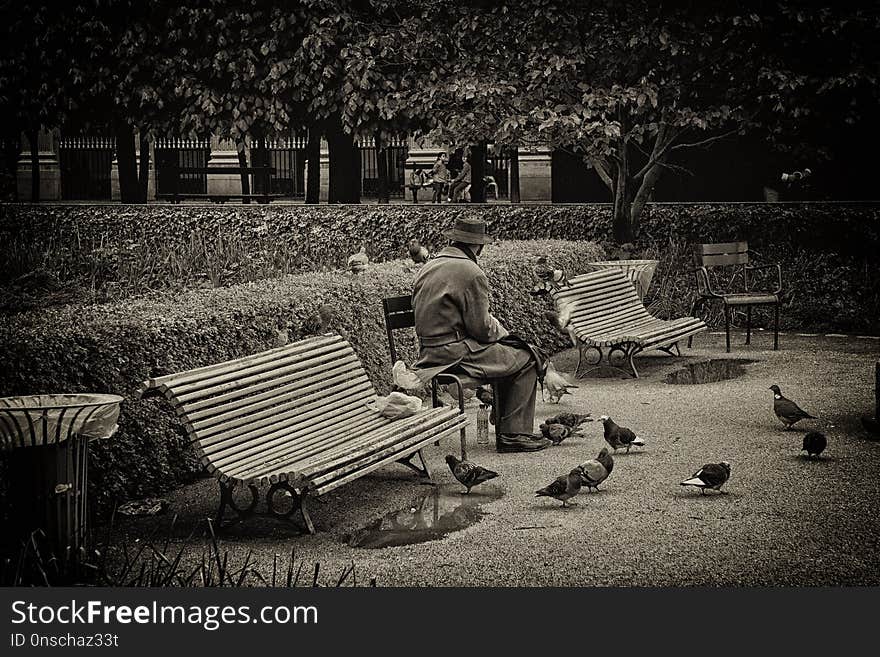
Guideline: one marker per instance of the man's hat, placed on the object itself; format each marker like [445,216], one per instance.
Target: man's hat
[469,231]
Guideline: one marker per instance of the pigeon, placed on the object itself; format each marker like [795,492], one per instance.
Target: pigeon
[319,322]
[358,262]
[469,474]
[786,410]
[556,432]
[573,420]
[541,289]
[417,252]
[620,437]
[555,383]
[544,272]
[711,475]
[563,488]
[596,470]
[814,443]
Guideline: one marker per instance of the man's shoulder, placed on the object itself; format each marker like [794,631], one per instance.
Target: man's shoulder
[451,263]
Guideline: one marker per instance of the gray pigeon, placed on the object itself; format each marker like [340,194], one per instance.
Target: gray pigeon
[711,475]
[619,437]
[786,410]
[596,470]
[814,443]
[563,488]
[469,474]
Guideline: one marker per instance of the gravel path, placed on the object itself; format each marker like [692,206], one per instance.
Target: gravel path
[785,520]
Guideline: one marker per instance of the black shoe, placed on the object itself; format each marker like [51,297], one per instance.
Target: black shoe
[521,443]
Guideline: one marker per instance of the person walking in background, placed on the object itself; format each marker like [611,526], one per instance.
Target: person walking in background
[462,180]
[439,177]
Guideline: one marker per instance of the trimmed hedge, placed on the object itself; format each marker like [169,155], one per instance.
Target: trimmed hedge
[829,251]
[113,347]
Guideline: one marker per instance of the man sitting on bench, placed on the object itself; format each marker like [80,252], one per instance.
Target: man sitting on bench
[456,330]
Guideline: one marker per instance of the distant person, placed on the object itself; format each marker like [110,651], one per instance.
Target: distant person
[462,180]
[439,177]
[416,182]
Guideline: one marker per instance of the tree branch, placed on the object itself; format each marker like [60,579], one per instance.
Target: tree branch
[602,169]
[704,142]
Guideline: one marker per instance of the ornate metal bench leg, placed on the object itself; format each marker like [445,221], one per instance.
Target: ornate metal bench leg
[582,349]
[297,503]
[226,500]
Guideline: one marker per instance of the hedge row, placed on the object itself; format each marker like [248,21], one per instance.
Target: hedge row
[829,252]
[113,347]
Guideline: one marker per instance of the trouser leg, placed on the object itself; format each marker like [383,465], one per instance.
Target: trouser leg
[516,411]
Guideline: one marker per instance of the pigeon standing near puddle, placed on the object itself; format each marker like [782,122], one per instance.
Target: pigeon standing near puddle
[786,410]
[469,474]
[596,470]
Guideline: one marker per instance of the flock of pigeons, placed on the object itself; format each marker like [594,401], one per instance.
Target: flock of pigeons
[592,473]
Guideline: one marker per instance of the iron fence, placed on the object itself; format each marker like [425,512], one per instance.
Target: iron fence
[398,151]
[288,159]
[86,162]
[173,153]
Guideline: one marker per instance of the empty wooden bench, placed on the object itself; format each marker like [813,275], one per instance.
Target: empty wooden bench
[294,419]
[606,313]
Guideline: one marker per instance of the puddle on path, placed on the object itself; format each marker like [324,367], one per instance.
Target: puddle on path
[428,517]
[709,371]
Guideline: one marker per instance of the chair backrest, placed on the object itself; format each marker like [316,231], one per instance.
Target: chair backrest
[246,413]
[398,315]
[722,254]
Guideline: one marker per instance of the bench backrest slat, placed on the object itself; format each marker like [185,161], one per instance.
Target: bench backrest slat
[600,298]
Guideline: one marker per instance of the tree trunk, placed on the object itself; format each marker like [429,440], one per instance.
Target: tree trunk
[33,138]
[478,173]
[345,166]
[144,169]
[383,192]
[313,155]
[243,162]
[514,175]
[126,161]
[622,220]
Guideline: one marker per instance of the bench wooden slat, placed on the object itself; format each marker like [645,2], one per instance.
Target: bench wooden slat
[272,398]
[294,457]
[395,431]
[362,466]
[260,440]
[266,373]
[721,248]
[182,378]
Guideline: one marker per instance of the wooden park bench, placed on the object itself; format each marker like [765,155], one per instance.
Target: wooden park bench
[294,419]
[262,173]
[606,313]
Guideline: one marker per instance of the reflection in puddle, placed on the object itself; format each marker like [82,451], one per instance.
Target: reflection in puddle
[709,371]
[427,518]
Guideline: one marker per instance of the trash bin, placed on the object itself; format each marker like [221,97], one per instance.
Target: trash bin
[640,272]
[45,442]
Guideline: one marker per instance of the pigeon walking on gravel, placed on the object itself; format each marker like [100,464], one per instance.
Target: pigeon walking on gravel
[563,488]
[469,474]
[573,420]
[620,437]
[814,443]
[595,471]
[555,383]
[711,475]
[556,432]
[786,410]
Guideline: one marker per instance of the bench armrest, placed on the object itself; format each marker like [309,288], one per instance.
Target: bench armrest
[451,378]
[769,266]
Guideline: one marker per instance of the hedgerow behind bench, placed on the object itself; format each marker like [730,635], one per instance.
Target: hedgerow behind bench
[294,419]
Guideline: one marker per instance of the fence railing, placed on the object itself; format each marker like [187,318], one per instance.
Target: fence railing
[172,154]
[86,162]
